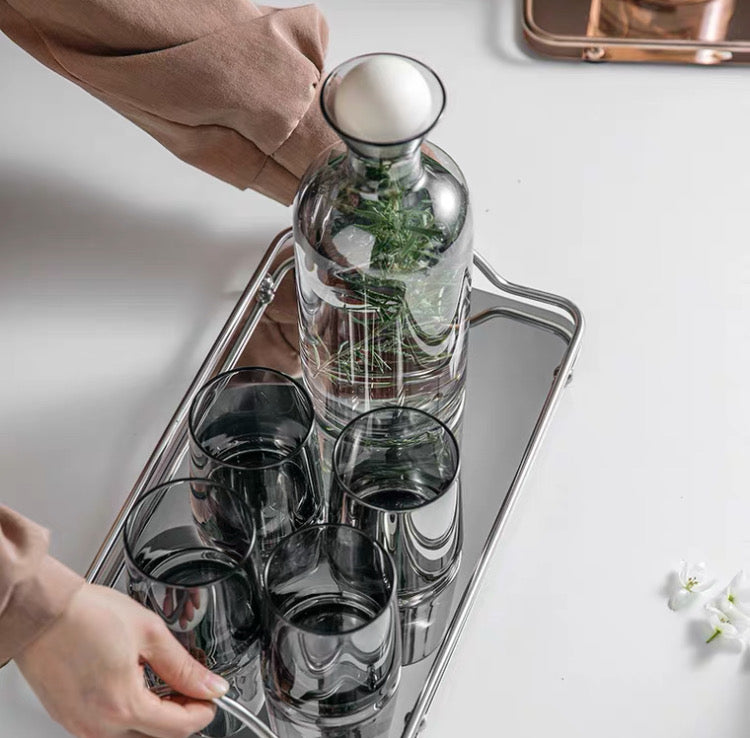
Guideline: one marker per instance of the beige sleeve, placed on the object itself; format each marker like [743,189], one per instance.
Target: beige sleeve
[227,86]
[34,587]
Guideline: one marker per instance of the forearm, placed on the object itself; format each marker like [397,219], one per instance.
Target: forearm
[229,87]
[34,588]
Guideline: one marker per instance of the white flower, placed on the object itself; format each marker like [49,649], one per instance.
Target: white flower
[689,581]
[722,627]
[734,601]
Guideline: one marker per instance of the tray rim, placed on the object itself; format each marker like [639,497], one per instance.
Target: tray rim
[563,377]
[243,319]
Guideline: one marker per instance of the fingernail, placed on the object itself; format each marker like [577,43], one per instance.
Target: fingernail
[216,685]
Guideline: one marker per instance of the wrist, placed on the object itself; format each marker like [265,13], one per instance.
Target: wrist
[35,604]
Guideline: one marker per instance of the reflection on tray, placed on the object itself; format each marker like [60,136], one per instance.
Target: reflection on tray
[376,725]
[699,20]
[705,32]
[423,622]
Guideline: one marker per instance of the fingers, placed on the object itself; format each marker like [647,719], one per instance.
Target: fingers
[162,718]
[181,607]
[192,607]
[177,667]
[167,606]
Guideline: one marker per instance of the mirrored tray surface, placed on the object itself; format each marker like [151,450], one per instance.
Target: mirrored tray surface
[702,32]
[523,344]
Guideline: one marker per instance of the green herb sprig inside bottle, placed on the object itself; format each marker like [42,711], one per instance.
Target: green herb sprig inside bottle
[382,229]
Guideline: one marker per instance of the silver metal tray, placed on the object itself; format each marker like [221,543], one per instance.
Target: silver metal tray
[522,348]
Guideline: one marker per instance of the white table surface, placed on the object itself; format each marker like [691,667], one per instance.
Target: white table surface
[623,188]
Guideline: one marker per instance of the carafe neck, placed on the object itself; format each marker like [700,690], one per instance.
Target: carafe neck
[399,164]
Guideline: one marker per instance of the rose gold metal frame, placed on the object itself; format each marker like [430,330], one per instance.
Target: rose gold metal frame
[601,48]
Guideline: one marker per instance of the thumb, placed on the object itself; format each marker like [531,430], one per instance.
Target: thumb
[170,661]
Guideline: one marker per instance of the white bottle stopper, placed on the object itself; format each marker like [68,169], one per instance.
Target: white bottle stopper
[383,99]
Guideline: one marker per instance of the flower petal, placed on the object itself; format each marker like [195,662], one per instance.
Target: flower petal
[680,599]
[697,571]
[741,599]
[736,617]
[737,581]
[682,574]
[714,616]
[703,586]
[730,632]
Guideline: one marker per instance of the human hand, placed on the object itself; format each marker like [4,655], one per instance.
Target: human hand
[87,670]
[180,608]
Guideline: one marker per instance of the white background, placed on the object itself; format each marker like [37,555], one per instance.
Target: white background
[623,188]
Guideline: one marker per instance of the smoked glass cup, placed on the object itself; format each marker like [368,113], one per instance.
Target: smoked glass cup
[396,478]
[191,558]
[331,649]
[253,430]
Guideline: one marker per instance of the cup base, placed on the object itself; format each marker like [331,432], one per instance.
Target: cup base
[425,618]
[372,723]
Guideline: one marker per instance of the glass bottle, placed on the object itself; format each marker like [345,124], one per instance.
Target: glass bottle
[383,265]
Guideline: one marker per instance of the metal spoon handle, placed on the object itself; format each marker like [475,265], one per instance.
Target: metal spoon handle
[235,709]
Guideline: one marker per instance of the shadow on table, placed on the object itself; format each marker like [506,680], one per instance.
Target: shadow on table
[504,35]
[81,270]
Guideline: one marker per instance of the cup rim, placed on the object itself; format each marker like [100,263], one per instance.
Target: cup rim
[164,487]
[405,511]
[241,370]
[381,144]
[391,600]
